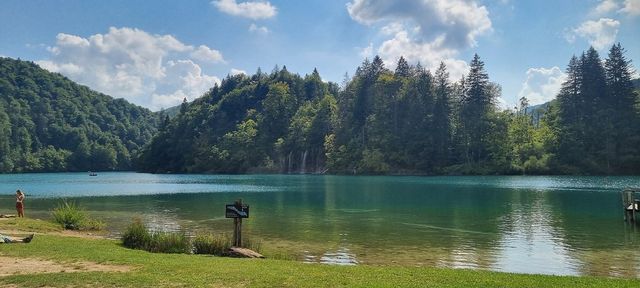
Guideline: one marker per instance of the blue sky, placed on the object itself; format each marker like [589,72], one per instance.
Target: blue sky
[156,53]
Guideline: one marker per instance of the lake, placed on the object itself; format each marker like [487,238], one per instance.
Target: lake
[561,225]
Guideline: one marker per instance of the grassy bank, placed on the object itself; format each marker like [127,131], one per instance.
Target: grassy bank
[181,270]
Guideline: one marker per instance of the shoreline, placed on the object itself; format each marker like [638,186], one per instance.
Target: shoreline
[78,259]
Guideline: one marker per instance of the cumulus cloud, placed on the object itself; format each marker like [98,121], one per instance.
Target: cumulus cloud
[600,34]
[631,7]
[427,31]
[457,22]
[250,9]
[605,7]
[428,54]
[185,74]
[149,70]
[392,28]
[542,84]
[235,71]
[258,29]
[206,54]
[367,52]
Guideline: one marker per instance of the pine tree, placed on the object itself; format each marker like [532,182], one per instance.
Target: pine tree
[402,68]
[441,115]
[476,106]
[621,101]
[597,120]
[571,147]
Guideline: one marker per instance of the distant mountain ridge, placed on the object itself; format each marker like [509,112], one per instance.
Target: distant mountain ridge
[50,123]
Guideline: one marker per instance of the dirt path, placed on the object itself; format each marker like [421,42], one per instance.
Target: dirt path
[79,234]
[19,266]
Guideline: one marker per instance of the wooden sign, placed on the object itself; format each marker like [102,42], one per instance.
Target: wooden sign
[236,211]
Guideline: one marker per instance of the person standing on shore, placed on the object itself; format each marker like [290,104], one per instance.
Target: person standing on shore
[20,203]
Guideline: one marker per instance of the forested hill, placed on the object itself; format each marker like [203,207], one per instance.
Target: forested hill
[49,123]
[407,120]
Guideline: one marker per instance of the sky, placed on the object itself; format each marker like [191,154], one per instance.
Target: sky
[156,53]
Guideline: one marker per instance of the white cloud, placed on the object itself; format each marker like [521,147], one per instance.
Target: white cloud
[250,9]
[258,29]
[184,74]
[392,28]
[367,52]
[600,34]
[149,70]
[605,7]
[631,7]
[502,104]
[235,71]
[428,54]
[457,22]
[206,54]
[427,31]
[542,84]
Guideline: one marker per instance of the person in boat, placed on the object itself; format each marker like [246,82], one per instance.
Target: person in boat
[9,239]
[20,203]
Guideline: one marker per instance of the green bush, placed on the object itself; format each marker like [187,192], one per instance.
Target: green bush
[136,236]
[169,242]
[74,217]
[211,244]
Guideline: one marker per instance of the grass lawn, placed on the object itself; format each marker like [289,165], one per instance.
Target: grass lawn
[181,270]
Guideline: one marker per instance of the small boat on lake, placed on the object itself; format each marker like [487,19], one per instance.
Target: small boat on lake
[93,173]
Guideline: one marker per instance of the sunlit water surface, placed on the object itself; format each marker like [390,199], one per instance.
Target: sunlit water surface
[549,225]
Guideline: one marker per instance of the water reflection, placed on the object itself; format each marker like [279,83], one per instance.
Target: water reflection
[551,225]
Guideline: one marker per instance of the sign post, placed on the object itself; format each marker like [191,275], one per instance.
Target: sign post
[237,211]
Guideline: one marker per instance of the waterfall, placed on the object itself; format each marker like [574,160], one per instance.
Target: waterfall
[289,163]
[304,162]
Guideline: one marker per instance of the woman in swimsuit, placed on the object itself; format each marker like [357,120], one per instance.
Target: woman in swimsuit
[20,203]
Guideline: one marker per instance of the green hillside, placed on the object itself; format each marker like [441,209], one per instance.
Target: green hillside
[50,123]
[405,121]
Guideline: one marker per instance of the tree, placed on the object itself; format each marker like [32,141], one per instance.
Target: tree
[476,105]
[51,118]
[570,148]
[402,68]
[442,116]
[622,135]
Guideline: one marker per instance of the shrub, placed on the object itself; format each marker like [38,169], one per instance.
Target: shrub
[74,217]
[211,244]
[69,215]
[169,242]
[136,236]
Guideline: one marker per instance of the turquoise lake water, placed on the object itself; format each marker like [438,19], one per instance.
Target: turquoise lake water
[561,225]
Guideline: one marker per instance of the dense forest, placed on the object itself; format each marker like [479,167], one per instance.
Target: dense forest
[49,123]
[406,121]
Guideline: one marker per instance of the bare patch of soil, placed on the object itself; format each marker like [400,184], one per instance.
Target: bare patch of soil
[19,266]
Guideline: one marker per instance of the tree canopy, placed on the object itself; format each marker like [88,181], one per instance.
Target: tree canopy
[49,123]
[405,120]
